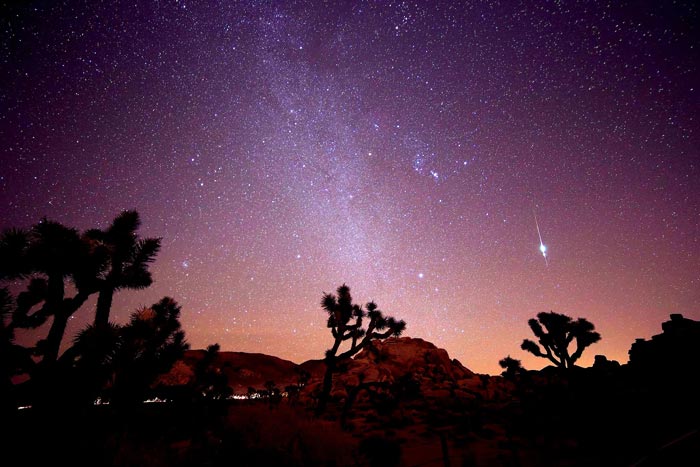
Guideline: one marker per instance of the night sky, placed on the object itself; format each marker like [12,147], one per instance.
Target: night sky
[281,149]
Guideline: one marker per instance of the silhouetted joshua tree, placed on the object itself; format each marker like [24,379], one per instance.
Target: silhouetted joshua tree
[61,269]
[149,345]
[14,359]
[345,321]
[91,360]
[555,332]
[127,359]
[512,367]
[211,381]
[46,259]
[55,254]
[127,259]
[13,254]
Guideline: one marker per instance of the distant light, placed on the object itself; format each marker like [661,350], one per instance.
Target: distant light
[543,248]
[155,400]
[421,275]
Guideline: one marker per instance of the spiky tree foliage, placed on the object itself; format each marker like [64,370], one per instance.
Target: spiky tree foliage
[512,367]
[92,359]
[55,254]
[126,360]
[555,332]
[47,257]
[150,344]
[14,359]
[13,251]
[6,331]
[61,269]
[211,382]
[127,260]
[346,320]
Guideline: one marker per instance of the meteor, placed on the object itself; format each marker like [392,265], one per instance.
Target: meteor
[543,248]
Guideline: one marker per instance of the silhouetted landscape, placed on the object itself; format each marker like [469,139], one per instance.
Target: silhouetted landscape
[135,394]
[373,233]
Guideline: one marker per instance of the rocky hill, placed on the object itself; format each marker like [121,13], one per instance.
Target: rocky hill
[406,358]
[243,370]
[386,361]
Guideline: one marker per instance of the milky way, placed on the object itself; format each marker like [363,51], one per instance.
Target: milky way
[281,149]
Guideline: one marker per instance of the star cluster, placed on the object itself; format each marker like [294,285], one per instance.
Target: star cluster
[281,149]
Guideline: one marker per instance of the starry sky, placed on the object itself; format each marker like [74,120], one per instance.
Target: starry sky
[281,149]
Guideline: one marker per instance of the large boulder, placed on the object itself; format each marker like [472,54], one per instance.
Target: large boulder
[396,357]
[396,361]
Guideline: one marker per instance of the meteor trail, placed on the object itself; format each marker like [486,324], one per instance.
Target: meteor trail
[543,248]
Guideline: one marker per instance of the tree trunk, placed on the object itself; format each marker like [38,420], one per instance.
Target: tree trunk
[327,386]
[45,391]
[104,306]
[58,327]
[54,338]
[55,302]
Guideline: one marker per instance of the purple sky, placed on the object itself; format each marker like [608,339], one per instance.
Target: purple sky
[283,148]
